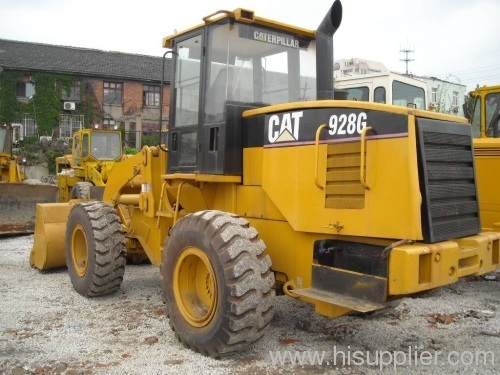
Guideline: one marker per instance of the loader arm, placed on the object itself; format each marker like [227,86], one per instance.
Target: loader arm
[134,186]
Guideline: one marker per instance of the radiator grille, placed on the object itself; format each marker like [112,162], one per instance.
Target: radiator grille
[343,189]
[447,180]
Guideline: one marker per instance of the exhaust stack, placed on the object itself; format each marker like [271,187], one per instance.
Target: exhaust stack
[324,51]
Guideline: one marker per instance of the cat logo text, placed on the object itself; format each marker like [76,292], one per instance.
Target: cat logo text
[284,127]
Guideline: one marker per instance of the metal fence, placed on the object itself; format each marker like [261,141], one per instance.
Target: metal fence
[137,139]
[29,127]
[68,124]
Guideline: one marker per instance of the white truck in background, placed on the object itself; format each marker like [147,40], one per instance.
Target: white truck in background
[385,88]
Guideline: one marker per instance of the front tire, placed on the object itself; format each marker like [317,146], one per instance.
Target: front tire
[95,249]
[217,283]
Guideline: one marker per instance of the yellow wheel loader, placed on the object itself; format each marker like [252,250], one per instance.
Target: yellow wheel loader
[18,197]
[94,153]
[270,184]
[483,112]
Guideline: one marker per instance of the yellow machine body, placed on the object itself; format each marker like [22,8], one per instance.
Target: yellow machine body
[279,196]
[94,154]
[18,199]
[356,202]
[483,111]
[9,163]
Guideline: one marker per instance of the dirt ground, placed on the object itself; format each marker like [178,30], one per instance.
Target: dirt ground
[47,328]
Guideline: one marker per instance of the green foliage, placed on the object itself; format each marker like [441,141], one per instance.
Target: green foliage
[46,105]
[44,152]
[149,140]
[130,150]
[48,98]
[9,106]
[89,106]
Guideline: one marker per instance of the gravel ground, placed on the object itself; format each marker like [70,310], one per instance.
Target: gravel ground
[47,328]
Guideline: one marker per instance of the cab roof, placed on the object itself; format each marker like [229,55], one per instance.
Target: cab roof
[245,16]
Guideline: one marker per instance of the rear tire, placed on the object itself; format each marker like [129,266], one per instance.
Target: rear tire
[95,249]
[81,190]
[217,283]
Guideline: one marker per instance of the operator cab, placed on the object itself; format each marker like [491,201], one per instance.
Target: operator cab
[234,62]
[96,145]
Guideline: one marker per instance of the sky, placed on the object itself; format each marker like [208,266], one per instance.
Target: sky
[455,40]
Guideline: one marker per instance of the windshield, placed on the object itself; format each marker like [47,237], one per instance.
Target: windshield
[255,65]
[5,144]
[106,146]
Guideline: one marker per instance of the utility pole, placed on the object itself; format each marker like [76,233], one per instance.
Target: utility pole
[407,58]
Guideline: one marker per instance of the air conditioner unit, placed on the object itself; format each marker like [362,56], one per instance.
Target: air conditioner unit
[69,106]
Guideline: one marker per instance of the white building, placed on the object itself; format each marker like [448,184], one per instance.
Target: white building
[445,96]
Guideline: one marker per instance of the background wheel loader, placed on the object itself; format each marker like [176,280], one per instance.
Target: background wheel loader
[271,184]
[94,153]
[18,199]
[483,112]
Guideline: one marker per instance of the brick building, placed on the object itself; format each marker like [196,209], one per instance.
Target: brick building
[124,89]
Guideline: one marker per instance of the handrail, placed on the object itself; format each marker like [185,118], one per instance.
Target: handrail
[321,127]
[362,177]
[177,204]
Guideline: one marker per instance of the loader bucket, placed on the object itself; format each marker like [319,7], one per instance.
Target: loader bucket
[18,205]
[49,241]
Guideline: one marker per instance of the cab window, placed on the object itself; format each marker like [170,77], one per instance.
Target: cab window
[407,95]
[476,119]
[358,93]
[379,95]
[492,112]
[85,145]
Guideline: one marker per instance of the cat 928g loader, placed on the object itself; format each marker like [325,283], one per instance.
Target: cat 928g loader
[269,183]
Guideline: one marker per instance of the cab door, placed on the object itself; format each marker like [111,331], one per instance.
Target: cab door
[184,138]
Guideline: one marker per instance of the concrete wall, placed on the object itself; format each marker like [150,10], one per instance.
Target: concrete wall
[41,173]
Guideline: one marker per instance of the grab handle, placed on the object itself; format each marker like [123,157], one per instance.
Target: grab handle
[321,127]
[362,177]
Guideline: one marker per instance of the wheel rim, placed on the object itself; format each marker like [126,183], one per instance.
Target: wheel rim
[195,287]
[79,250]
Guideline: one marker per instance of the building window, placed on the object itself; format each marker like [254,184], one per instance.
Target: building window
[25,90]
[73,94]
[113,93]
[150,128]
[455,99]
[109,124]
[151,96]
[434,94]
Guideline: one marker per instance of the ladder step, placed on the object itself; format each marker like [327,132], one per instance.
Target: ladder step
[165,213]
[339,299]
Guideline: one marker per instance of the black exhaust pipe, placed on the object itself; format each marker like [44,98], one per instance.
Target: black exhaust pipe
[324,51]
